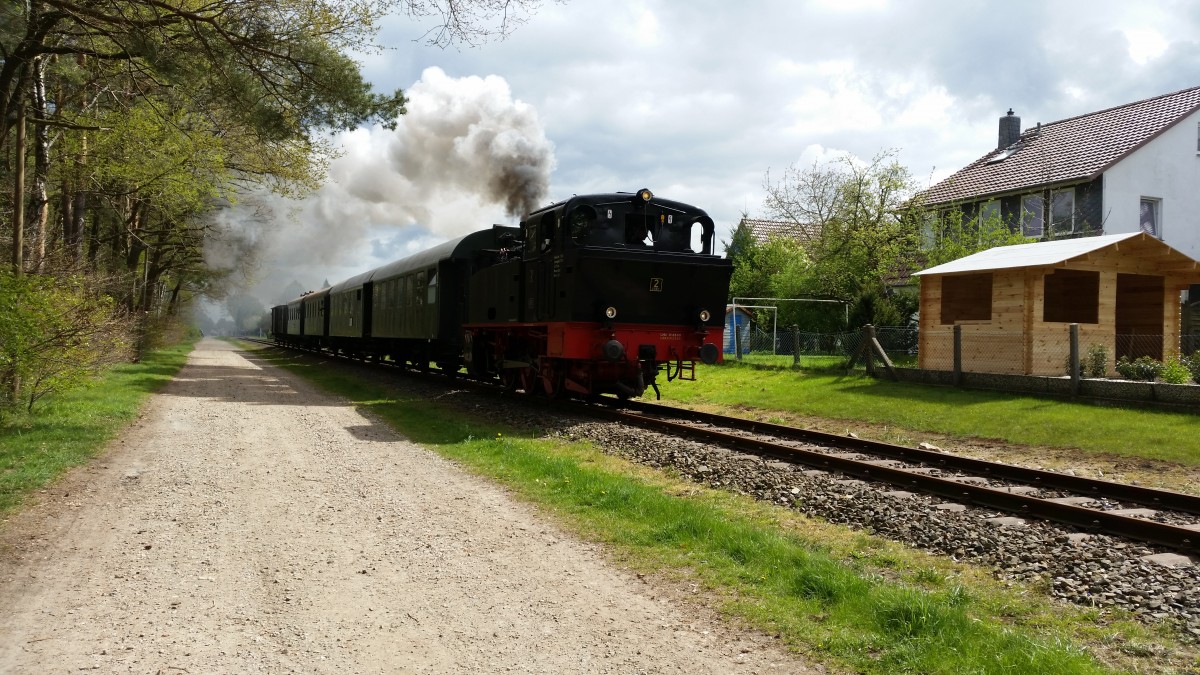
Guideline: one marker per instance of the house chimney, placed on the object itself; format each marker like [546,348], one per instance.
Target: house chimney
[1010,130]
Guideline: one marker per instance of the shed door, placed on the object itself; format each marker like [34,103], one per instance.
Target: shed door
[1140,316]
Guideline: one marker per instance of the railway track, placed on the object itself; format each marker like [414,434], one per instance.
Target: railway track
[1162,517]
[966,480]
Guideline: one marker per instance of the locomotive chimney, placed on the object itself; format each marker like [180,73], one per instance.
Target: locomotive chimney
[1010,130]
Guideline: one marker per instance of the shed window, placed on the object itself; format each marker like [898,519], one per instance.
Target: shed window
[1072,296]
[967,297]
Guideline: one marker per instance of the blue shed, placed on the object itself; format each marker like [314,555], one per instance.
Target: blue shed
[737,318]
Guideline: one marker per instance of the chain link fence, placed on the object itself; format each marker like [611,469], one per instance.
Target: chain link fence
[996,352]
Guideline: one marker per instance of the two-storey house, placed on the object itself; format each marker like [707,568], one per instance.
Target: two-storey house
[1129,168]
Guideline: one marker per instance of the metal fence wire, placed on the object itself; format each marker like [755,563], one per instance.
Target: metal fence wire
[981,352]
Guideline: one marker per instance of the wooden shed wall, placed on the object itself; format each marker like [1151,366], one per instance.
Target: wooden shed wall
[1016,340]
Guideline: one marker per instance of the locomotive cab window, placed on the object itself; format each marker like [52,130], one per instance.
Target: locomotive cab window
[531,237]
[549,230]
[581,222]
[639,229]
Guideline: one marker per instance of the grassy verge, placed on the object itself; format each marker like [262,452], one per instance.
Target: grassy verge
[66,430]
[1149,433]
[853,601]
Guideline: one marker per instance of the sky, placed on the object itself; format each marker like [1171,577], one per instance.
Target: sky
[698,100]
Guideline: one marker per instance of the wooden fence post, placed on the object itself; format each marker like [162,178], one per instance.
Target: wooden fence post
[868,352]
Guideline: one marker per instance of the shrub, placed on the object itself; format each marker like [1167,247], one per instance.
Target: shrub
[1141,368]
[56,334]
[1096,361]
[1174,372]
[1093,363]
[1193,364]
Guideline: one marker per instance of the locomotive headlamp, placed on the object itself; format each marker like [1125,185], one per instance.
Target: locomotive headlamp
[645,195]
[705,316]
[611,313]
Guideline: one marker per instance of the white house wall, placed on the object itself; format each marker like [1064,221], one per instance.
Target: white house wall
[1166,168]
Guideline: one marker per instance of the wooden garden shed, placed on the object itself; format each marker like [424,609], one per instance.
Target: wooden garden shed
[1015,304]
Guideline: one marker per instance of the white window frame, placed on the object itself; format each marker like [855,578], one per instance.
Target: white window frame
[1155,203]
[1055,227]
[1028,215]
[931,230]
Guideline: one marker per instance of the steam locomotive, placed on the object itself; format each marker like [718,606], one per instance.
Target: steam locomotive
[598,294]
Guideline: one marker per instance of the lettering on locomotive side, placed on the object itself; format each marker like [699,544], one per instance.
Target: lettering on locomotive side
[656,284]
[670,336]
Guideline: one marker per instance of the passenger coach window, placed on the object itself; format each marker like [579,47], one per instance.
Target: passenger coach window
[433,282]
[419,295]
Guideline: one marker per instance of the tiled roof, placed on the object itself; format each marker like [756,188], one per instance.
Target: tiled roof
[763,230]
[1078,148]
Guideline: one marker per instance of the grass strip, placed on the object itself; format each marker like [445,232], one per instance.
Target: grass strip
[67,430]
[861,603]
[1150,433]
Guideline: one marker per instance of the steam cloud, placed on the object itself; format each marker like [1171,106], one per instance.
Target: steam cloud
[464,152]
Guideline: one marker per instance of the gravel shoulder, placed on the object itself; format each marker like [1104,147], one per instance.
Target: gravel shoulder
[247,523]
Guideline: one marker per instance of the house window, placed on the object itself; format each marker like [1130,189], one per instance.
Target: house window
[967,297]
[1033,216]
[1062,211]
[1071,296]
[989,212]
[1150,218]
[931,224]
[989,218]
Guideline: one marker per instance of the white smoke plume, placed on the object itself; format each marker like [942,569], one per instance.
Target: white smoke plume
[465,156]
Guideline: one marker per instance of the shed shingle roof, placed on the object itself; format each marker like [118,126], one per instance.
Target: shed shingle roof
[1078,148]
[1042,253]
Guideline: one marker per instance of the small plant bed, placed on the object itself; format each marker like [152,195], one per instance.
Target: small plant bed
[857,602]
[65,431]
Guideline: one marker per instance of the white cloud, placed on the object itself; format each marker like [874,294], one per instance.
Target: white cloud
[1145,44]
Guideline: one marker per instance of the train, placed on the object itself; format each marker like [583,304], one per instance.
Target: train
[599,294]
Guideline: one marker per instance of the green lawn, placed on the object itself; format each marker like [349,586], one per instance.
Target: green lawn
[1014,418]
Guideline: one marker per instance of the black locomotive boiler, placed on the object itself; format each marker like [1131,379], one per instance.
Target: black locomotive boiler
[593,295]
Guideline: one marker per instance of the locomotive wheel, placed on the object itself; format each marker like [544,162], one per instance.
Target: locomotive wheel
[510,378]
[552,381]
[530,381]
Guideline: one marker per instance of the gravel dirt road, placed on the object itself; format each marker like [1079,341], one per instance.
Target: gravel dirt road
[249,524]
